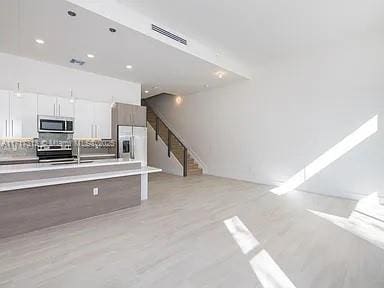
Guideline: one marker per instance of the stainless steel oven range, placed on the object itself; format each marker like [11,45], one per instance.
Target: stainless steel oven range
[55,152]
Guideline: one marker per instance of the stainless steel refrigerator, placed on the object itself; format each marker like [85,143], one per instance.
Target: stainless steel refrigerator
[133,143]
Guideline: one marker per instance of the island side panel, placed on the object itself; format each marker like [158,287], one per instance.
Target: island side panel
[144,186]
[31,209]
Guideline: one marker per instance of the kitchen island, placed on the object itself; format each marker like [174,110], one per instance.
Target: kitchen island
[39,195]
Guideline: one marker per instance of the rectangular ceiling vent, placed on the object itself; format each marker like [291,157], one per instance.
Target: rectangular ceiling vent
[78,62]
[169,34]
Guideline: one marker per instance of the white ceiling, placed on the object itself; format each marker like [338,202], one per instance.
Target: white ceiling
[258,31]
[155,63]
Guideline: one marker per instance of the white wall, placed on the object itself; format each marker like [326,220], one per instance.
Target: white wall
[49,79]
[158,155]
[267,129]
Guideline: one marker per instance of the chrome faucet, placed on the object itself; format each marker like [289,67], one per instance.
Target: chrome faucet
[78,151]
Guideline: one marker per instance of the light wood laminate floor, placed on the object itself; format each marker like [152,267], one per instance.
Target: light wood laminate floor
[178,239]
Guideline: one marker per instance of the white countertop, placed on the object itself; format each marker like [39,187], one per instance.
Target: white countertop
[74,179]
[48,166]
[19,158]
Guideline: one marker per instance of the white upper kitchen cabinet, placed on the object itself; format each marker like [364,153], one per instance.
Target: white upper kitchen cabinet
[18,115]
[65,108]
[46,105]
[84,127]
[102,120]
[55,106]
[4,113]
[23,115]
[92,120]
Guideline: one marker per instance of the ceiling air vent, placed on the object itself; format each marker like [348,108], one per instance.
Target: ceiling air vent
[169,34]
[78,62]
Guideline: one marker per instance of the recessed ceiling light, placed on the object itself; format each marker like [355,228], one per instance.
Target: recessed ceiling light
[129,67]
[72,100]
[220,74]
[90,56]
[71,13]
[146,91]
[206,85]
[39,41]
[113,30]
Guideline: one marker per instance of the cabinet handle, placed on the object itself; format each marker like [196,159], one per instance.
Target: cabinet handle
[6,128]
[54,109]
[59,109]
[12,128]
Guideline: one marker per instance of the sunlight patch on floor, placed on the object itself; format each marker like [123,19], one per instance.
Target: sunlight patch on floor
[243,237]
[266,269]
[371,206]
[365,221]
[268,272]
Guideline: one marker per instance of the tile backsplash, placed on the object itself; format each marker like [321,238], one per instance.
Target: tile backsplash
[94,146]
[27,146]
[17,147]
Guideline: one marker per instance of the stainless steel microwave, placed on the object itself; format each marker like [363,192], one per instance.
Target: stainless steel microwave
[51,124]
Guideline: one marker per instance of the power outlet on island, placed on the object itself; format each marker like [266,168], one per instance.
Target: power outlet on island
[95,191]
